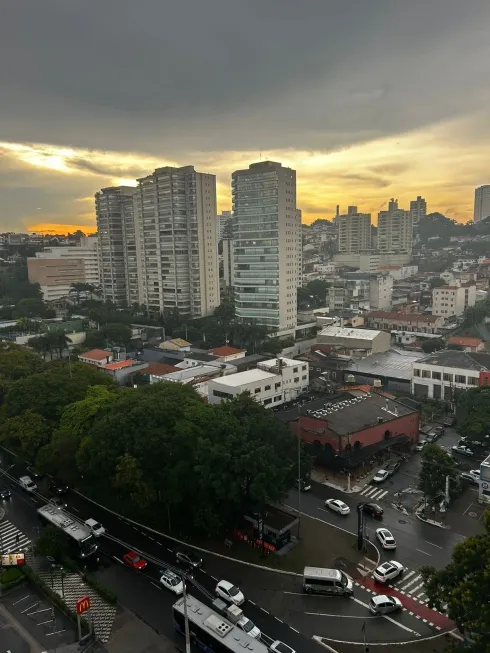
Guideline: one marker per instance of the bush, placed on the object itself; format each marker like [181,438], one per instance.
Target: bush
[101,590]
[10,575]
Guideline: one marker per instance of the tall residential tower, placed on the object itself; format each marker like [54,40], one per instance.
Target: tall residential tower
[354,231]
[395,230]
[418,209]
[267,244]
[482,204]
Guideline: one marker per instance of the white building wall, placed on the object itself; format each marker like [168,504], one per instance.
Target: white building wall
[449,301]
[447,378]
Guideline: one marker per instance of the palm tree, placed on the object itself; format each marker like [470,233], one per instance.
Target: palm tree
[77,289]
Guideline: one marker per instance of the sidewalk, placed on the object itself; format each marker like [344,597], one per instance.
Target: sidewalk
[131,635]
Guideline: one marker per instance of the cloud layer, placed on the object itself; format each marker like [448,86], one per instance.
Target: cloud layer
[366,99]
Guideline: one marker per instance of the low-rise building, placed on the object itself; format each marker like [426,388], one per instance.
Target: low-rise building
[368,340]
[176,344]
[391,370]
[97,357]
[272,383]
[414,322]
[227,354]
[437,376]
[453,300]
[472,345]
[399,272]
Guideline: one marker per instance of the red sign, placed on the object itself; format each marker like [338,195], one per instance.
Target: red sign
[83,604]
[12,559]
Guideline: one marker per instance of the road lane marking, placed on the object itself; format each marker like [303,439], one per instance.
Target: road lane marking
[264,610]
[410,583]
[279,619]
[420,551]
[416,588]
[385,616]
[432,544]
[296,631]
[155,585]
[407,576]
[341,616]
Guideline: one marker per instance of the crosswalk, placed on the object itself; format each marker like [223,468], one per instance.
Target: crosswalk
[12,540]
[411,583]
[373,492]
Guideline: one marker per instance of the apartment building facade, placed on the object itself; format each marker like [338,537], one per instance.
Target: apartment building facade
[418,209]
[450,301]
[266,245]
[354,231]
[413,322]
[482,203]
[395,229]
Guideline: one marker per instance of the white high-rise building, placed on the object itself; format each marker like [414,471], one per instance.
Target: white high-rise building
[175,212]
[354,231]
[482,204]
[395,230]
[221,221]
[266,241]
[418,209]
[87,250]
[115,226]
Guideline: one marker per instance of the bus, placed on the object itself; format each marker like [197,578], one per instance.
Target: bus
[211,632]
[82,542]
[327,581]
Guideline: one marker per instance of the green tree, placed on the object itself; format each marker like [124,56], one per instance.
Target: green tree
[274,346]
[475,404]
[17,362]
[429,346]
[52,542]
[436,466]
[26,433]
[464,586]
[437,282]
[48,392]
[30,308]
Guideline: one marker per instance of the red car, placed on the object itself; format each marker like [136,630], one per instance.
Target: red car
[134,560]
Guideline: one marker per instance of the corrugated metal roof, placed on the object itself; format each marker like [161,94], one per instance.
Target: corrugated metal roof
[395,363]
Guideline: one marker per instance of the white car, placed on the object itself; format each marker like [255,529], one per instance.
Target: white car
[387,571]
[381,476]
[475,473]
[27,483]
[420,445]
[461,449]
[385,538]
[337,506]
[96,528]
[229,592]
[248,626]
[380,604]
[281,647]
[172,582]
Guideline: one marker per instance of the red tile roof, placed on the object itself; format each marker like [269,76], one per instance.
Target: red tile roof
[159,368]
[226,351]
[464,341]
[404,317]
[118,365]
[96,354]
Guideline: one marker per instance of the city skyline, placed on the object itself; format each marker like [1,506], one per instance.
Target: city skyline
[386,102]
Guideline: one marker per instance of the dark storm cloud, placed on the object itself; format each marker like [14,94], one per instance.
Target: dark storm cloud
[167,77]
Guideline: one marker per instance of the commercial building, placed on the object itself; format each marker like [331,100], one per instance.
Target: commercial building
[418,209]
[413,322]
[395,229]
[371,262]
[175,210]
[345,430]
[267,245]
[392,369]
[453,300]
[362,340]
[117,244]
[56,275]
[272,383]
[361,290]
[440,374]
[484,489]
[354,231]
[482,203]
[87,251]
[400,272]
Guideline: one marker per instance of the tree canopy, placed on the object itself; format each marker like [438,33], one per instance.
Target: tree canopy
[464,586]
[435,344]
[436,466]
[475,403]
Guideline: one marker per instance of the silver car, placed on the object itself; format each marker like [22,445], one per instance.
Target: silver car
[381,604]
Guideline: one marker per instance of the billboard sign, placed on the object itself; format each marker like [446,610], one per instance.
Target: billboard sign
[83,604]
[12,559]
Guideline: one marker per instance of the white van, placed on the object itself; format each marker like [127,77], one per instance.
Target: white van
[96,528]
[327,581]
[27,483]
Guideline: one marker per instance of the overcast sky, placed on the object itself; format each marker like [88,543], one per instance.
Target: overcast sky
[367,99]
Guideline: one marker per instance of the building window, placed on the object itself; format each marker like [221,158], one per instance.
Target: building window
[257,390]
[472,380]
[277,386]
[267,387]
[448,377]
[296,379]
[304,377]
[416,372]
[436,375]
[458,378]
[295,370]
[278,398]
[267,402]
[426,374]
[303,368]
[223,395]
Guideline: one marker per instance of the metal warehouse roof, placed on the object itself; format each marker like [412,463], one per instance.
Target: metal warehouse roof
[395,363]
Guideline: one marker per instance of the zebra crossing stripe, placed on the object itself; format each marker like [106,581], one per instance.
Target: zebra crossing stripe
[416,588]
[406,577]
[11,538]
[414,580]
[371,492]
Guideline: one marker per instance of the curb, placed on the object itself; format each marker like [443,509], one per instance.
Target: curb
[432,522]
[2,513]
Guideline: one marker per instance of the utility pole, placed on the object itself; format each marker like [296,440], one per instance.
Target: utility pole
[186,618]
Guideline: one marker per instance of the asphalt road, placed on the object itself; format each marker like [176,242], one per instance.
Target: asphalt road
[275,602]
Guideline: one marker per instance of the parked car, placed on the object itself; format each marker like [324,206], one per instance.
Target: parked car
[475,473]
[438,430]
[373,509]
[381,476]
[280,647]
[58,488]
[337,506]
[5,492]
[462,450]
[58,502]
[135,561]
[172,582]
[188,560]
[420,445]
[385,538]
[27,484]
[248,626]
[388,570]
[381,604]
[96,528]
[469,478]
[229,592]
[32,472]
[303,484]
[450,420]
[393,467]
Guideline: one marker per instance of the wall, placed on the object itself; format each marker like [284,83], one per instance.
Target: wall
[446,386]
[317,430]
